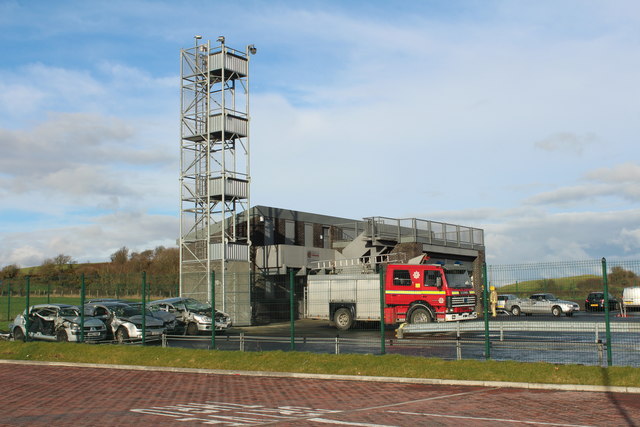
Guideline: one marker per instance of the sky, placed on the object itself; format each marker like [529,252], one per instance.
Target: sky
[518,117]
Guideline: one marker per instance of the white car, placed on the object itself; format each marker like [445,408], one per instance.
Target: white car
[56,322]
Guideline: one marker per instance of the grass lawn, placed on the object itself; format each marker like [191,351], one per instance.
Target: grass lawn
[346,364]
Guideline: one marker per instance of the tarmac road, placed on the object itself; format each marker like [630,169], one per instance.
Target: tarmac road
[40,394]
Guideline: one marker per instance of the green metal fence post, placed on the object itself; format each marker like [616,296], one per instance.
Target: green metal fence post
[485,300]
[83,288]
[27,323]
[213,310]
[48,292]
[292,316]
[144,307]
[606,310]
[382,304]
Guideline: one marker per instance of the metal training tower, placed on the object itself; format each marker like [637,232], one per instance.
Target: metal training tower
[214,166]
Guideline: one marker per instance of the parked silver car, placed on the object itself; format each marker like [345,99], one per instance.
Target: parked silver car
[56,322]
[193,315]
[124,321]
[541,304]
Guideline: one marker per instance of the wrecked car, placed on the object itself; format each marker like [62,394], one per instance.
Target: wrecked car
[193,316]
[124,321]
[56,322]
[169,321]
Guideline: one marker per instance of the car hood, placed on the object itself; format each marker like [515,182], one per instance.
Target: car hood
[88,321]
[150,322]
[561,301]
[164,316]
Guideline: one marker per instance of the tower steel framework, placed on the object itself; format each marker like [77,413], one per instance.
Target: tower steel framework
[214,165]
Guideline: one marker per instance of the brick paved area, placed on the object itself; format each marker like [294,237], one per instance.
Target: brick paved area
[36,395]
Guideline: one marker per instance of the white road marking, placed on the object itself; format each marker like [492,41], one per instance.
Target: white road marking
[465,417]
[238,414]
[346,423]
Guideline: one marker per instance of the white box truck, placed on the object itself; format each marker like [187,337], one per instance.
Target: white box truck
[631,297]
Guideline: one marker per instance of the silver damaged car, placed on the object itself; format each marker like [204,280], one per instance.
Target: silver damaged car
[124,321]
[56,322]
[194,316]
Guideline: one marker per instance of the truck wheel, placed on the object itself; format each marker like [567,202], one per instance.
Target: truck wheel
[343,318]
[61,335]
[515,310]
[122,335]
[556,311]
[18,335]
[420,315]
[192,329]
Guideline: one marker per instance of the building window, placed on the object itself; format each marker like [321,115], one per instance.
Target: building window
[308,234]
[289,232]
[325,238]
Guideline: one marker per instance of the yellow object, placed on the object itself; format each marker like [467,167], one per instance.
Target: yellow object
[493,288]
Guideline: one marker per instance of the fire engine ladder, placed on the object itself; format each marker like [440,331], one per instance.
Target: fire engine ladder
[367,263]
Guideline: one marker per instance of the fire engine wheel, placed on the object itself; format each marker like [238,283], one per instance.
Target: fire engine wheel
[122,335]
[192,329]
[420,315]
[61,335]
[343,318]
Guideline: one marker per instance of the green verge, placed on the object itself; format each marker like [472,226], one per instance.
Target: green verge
[301,362]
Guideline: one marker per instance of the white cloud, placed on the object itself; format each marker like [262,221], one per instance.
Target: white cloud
[623,173]
[563,237]
[499,115]
[566,141]
[94,241]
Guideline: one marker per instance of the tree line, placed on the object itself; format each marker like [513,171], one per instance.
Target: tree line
[120,276]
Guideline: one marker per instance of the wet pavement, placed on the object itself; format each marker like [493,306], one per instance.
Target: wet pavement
[42,395]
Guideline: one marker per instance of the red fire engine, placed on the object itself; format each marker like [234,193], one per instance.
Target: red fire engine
[413,293]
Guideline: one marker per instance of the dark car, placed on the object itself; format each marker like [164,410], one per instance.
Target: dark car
[595,302]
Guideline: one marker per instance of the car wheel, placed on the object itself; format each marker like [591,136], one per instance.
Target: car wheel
[343,318]
[122,335]
[420,315]
[515,310]
[192,329]
[556,311]
[61,335]
[587,307]
[18,335]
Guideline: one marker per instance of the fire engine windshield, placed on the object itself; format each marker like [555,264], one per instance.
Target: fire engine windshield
[458,279]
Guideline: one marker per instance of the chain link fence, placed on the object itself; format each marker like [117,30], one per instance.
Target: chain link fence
[283,312]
